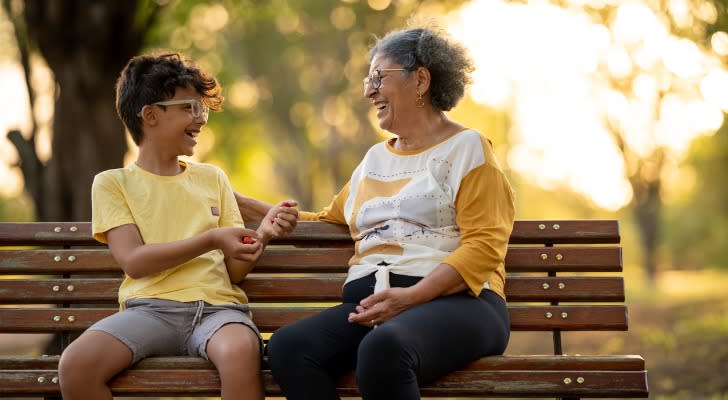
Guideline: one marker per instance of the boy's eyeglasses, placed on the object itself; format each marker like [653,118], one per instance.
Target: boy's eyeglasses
[197,108]
[375,78]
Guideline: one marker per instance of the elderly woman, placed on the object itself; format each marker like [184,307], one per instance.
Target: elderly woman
[431,212]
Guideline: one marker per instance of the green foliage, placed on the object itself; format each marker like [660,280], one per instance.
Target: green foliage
[698,224]
[294,117]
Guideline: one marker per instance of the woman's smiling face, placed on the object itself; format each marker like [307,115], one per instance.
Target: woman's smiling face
[395,97]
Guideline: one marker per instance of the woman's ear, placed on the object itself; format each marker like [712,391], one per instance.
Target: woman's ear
[423,79]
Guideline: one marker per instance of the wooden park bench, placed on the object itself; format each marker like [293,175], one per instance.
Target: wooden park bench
[562,276]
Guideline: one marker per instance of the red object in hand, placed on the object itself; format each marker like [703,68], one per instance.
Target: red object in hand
[287,204]
[248,240]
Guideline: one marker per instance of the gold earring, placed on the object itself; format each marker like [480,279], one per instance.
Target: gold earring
[420,102]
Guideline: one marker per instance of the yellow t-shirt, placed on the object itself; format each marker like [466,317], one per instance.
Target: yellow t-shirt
[167,209]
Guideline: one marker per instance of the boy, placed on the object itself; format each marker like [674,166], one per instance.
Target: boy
[175,230]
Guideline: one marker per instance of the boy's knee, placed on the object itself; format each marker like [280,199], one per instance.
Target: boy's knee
[74,365]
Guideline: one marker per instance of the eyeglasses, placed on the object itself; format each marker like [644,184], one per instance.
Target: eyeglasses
[197,108]
[375,78]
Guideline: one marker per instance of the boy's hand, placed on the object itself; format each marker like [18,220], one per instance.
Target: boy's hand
[280,220]
[239,243]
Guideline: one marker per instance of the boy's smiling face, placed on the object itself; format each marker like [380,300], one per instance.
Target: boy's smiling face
[177,128]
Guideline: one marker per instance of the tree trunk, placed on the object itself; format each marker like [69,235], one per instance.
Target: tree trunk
[86,44]
[646,184]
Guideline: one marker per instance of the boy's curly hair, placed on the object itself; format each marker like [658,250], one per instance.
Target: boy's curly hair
[147,79]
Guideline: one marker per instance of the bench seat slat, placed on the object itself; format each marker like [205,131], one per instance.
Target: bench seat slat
[504,383]
[490,363]
[528,318]
[261,288]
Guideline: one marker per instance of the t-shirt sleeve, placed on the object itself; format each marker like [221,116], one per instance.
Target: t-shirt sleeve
[334,212]
[109,208]
[230,215]
[485,212]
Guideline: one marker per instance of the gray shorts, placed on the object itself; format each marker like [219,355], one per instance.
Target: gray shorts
[155,327]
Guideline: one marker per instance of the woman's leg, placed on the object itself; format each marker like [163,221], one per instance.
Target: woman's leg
[89,363]
[428,341]
[307,356]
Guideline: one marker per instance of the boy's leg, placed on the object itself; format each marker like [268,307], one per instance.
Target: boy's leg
[147,327]
[89,362]
[228,338]
[235,351]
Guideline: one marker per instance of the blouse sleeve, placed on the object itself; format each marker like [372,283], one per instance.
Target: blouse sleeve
[485,212]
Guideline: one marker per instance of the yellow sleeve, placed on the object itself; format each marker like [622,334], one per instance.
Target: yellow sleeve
[485,212]
[230,215]
[333,213]
[109,208]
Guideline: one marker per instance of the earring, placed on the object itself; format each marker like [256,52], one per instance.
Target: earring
[420,102]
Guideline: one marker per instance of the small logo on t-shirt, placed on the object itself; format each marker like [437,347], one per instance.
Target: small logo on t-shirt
[215,211]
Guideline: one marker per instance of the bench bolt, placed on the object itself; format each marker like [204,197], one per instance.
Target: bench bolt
[70,288]
[57,229]
[41,379]
[71,258]
[549,315]
[56,288]
[580,379]
[564,315]
[57,258]
[57,318]
[562,285]
[545,285]
[73,229]
[71,318]
[567,381]
[544,256]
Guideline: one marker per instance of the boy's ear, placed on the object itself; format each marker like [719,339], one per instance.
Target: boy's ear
[148,115]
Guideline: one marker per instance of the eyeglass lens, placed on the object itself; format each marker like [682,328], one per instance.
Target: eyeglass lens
[375,80]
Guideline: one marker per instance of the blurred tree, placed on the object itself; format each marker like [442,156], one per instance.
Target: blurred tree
[85,44]
[646,160]
[699,222]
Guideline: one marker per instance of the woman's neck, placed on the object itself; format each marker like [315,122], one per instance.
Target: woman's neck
[426,134]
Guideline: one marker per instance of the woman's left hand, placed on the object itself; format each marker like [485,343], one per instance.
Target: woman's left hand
[382,306]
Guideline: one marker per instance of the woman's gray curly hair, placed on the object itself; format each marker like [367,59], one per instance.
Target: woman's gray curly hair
[449,63]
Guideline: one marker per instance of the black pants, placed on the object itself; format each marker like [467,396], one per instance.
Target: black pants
[391,361]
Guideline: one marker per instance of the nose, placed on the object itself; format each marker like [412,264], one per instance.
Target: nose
[369,90]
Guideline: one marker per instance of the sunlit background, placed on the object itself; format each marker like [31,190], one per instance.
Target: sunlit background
[597,109]
[556,70]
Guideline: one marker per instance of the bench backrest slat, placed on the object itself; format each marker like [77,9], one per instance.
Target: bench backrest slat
[532,318]
[260,288]
[309,260]
[524,232]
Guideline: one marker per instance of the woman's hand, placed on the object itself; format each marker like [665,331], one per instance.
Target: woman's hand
[383,306]
[279,221]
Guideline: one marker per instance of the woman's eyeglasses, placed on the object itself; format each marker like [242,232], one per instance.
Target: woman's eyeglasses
[375,78]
